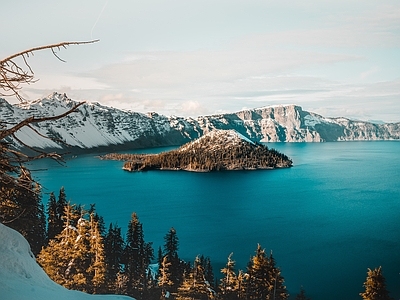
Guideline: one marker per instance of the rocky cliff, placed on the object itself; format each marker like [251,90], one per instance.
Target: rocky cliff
[95,126]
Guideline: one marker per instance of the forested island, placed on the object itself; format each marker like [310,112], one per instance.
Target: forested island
[215,151]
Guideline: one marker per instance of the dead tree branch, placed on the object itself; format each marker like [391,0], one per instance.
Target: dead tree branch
[13,75]
[15,71]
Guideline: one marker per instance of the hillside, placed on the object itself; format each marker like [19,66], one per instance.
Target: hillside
[95,127]
[214,151]
[21,278]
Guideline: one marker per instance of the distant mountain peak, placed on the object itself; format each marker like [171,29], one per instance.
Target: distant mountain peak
[94,125]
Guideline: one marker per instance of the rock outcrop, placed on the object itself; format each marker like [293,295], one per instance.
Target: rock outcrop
[94,126]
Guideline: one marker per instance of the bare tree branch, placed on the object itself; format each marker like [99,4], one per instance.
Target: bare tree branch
[15,71]
[12,75]
[52,46]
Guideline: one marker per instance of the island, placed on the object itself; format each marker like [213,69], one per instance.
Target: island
[216,150]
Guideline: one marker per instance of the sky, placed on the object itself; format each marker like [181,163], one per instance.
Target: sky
[201,57]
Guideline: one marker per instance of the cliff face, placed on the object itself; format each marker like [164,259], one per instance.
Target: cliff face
[269,124]
[95,126]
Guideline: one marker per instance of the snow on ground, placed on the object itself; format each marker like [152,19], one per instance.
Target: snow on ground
[21,278]
[311,120]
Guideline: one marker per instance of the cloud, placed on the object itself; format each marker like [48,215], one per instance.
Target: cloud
[236,55]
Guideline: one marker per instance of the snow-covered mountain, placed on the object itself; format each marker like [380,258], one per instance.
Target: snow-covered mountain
[94,125]
[21,278]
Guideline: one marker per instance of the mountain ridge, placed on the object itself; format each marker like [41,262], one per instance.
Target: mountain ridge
[95,126]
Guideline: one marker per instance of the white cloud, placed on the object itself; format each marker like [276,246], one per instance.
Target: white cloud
[208,57]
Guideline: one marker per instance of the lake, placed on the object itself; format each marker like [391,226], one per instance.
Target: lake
[327,219]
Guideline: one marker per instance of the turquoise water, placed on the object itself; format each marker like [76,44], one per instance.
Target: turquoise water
[327,219]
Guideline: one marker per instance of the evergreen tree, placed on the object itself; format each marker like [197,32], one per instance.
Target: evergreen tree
[57,259]
[97,268]
[208,270]
[160,258]
[278,290]
[75,257]
[121,284]
[259,282]
[164,280]
[264,278]
[137,257]
[61,204]
[195,285]
[114,249]
[41,234]
[25,208]
[171,252]
[52,217]
[302,295]
[375,286]
[241,285]
[98,219]
[229,283]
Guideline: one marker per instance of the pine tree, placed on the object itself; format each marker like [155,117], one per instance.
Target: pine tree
[164,280]
[75,257]
[278,289]
[195,285]
[57,259]
[97,268]
[114,249]
[241,284]
[52,217]
[60,209]
[264,278]
[25,208]
[375,286]
[160,258]
[171,251]
[121,284]
[98,219]
[208,270]
[229,283]
[302,295]
[258,284]
[137,257]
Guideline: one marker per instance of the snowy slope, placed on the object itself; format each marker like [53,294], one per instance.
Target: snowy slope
[95,125]
[216,139]
[21,278]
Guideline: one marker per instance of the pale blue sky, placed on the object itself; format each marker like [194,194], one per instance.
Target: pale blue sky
[190,58]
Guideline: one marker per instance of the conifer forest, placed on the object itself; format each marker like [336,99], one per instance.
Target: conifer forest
[78,251]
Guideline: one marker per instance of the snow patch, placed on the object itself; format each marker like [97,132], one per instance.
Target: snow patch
[21,278]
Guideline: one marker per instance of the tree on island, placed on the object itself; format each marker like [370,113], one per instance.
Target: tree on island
[375,286]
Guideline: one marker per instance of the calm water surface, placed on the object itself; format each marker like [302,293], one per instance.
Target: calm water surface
[327,219]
